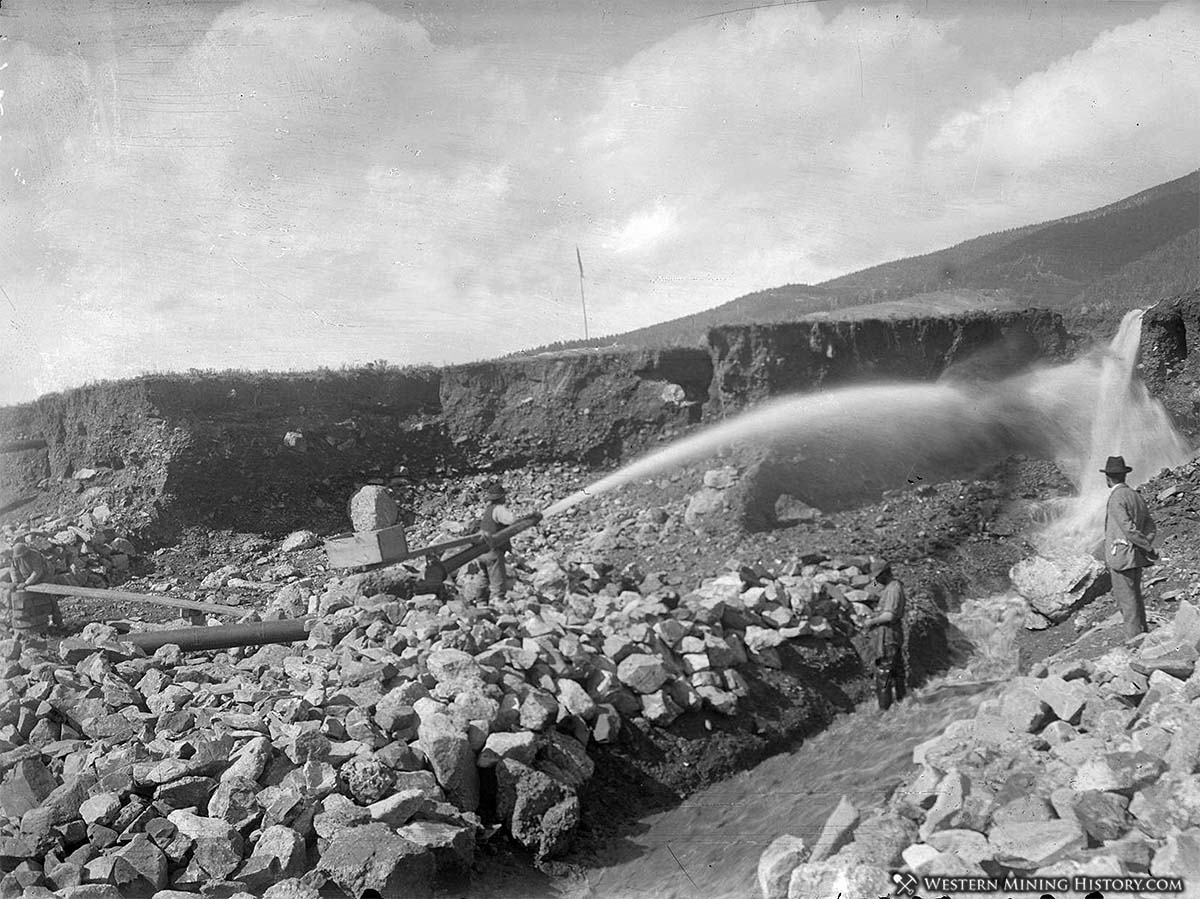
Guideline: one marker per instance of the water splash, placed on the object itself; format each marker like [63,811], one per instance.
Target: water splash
[1124,421]
[873,436]
[986,632]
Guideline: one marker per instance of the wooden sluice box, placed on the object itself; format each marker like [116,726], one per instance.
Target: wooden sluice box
[361,548]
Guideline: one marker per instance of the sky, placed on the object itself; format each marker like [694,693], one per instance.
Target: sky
[287,184]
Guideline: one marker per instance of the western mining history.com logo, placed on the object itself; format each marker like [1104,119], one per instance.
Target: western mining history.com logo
[1092,887]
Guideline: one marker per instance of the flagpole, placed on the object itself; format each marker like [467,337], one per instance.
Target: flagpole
[582,299]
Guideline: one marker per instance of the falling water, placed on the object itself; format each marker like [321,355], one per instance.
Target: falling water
[1125,421]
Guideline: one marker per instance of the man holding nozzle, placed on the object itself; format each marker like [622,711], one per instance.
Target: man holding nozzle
[496,517]
[887,636]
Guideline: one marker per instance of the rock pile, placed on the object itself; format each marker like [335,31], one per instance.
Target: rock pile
[85,551]
[378,753]
[1087,767]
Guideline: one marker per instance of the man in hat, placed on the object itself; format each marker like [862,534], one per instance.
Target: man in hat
[887,636]
[30,567]
[1128,544]
[496,517]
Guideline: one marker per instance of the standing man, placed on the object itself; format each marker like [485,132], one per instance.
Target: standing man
[496,517]
[887,637]
[1128,544]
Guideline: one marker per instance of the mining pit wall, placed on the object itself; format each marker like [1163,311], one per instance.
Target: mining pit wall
[167,451]
[1170,358]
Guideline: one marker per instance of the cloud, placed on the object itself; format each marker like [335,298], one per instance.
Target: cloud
[1101,114]
[645,229]
[309,182]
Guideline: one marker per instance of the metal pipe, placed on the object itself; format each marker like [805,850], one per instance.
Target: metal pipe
[437,572]
[226,636]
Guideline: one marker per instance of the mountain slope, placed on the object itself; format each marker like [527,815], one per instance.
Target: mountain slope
[1109,260]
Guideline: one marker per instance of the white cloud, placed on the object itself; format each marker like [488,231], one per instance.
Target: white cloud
[321,183]
[1113,114]
[645,230]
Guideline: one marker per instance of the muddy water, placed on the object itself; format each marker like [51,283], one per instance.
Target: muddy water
[708,847]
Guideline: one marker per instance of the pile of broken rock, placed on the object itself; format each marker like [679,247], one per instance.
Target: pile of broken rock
[1086,767]
[376,754]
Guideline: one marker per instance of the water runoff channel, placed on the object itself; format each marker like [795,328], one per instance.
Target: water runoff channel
[1080,412]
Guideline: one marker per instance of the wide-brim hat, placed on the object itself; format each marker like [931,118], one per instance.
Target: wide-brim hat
[879,566]
[1115,465]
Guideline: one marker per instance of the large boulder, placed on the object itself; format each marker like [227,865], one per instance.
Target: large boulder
[705,508]
[776,864]
[828,879]
[1057,587]
[1029,845]
[285,845]
[642,672]
[217,848]
[452,759]
[372,508]
[541,812]
[374,857]
[1119,772]
[140,866]
[1179,856]
[1172,803]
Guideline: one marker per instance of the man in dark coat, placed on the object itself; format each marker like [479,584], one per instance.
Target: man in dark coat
[887,636]
[30,567]
[1128,544]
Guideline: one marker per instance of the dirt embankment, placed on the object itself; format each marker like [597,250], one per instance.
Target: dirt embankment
[755,362]
[270,453]
[1170,358]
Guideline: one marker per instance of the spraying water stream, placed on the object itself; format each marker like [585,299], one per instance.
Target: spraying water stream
[1078,413]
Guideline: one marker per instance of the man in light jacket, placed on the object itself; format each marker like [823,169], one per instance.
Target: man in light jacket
[1128,544]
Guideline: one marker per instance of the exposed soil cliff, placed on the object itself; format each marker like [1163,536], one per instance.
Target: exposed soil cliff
[754,362]
[269,453]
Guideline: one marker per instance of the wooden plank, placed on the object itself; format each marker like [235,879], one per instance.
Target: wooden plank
[125,596]
[441,547]
[17,503]
[21,446]
[366,547]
